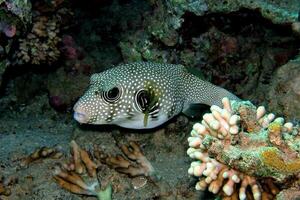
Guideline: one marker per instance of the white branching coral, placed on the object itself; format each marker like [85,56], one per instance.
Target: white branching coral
[242,151]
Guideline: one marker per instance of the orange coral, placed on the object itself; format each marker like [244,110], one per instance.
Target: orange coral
[136,165]
[275,133]
[72,176]
[272,159]
[40,153]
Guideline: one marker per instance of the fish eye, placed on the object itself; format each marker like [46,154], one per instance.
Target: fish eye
[142,99]
[112,95]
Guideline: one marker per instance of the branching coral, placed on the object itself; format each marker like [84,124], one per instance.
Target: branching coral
[136,165]
[80,175]
[245,146]
[44,152]
[41,44]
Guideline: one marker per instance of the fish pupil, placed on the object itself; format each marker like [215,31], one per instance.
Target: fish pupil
[112,95]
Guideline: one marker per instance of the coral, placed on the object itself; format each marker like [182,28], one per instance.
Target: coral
[80,175]
[276,11]
[289,194]
[15,16]
[20,8]
[136,165]
[41,153]
[41,44]
[272,159]
[8,29]
[245,146]
[163,25]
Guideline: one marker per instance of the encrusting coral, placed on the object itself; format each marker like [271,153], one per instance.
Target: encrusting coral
[136,165]
[240,145]
[80,175]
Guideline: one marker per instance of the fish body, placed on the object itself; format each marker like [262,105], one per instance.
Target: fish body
[144,95]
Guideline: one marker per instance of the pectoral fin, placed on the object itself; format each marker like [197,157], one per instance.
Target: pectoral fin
[194,110]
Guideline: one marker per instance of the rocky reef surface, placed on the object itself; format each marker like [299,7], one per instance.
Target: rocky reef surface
[49,49]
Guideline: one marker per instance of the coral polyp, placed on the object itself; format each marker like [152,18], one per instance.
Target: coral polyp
[241,145]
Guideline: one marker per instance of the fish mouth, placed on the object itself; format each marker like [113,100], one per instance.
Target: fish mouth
[80,117]
[80,114]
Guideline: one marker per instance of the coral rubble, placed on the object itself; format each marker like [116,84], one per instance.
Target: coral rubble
[80,175]
[240,145]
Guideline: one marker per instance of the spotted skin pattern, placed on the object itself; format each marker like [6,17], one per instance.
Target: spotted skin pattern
[170,89]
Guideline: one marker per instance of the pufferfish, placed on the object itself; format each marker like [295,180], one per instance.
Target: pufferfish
[144,95]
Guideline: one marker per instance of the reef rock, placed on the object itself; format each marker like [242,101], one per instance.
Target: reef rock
[285,87]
